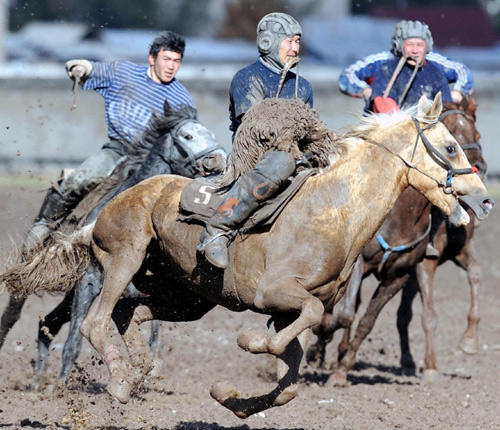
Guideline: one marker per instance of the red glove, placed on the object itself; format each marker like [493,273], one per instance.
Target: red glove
[384,105]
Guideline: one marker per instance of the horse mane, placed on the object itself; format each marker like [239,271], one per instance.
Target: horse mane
[370,122]
[158,126]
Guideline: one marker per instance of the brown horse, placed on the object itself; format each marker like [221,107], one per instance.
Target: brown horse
[137,238]
[456,245]
[407,229]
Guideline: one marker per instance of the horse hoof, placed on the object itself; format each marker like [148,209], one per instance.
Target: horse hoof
[120,389]
[469,346]
[430,376]
[254,342]
[339,379]
[286,395]
[222,392]
[157,369]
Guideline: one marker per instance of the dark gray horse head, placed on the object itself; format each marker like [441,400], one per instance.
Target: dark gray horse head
[178,139]
[173,143]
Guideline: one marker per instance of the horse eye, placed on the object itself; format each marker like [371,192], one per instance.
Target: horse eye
[188,137]
[451,149]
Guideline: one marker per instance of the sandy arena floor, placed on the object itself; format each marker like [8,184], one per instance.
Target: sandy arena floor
[197,355]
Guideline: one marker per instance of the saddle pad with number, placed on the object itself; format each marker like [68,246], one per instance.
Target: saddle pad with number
[200,199]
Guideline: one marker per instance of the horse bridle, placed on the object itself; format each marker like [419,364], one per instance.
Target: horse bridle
[190,158]
[447,186]
[473,145]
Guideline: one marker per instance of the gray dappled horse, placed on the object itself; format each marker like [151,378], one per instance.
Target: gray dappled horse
[175,142]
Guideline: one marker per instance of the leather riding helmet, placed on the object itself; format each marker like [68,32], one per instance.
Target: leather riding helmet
[411,30]
[271,31]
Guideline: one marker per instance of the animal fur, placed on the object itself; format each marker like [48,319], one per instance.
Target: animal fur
[287,125]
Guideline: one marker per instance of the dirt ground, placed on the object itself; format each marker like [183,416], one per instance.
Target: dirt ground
[197,355]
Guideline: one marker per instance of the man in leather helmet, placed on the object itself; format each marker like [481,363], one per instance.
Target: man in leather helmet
[278,41]
[356,80]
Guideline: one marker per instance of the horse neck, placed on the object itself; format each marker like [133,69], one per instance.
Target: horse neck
[363,186]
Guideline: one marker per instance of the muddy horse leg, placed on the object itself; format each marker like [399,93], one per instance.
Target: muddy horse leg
[48,328]
[288,364]
[468,260]
[119,271]
[276,296]
[86,291]
[426,271]
[156,347]
[404,317]
[343,318]
[178,303]
[10,316]
[128,315]
[380,298]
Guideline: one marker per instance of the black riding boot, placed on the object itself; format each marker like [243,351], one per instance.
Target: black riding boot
[245,196]
[54,207]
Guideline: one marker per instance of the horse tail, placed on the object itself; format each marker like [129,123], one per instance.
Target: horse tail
[54,268]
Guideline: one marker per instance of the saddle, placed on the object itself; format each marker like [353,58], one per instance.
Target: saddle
[202,196]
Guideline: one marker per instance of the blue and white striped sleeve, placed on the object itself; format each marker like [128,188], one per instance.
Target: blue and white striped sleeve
[456,73]
[353,79]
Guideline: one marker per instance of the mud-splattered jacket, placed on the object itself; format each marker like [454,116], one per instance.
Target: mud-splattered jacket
[257,82]
[429,80]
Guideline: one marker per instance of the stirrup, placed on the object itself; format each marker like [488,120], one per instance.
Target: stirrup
[202,245]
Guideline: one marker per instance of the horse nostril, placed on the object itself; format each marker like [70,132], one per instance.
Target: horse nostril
[488,204]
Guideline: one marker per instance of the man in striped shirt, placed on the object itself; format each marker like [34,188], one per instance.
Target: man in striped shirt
[131,94]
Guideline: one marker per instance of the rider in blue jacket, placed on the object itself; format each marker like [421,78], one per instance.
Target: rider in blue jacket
[356,80]
[278,41]
[401,81]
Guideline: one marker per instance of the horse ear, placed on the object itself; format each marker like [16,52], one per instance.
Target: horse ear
[166,107]
[428,109]
[472,107]
[423,107]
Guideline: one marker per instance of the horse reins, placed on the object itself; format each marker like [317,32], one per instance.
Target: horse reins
[388,249]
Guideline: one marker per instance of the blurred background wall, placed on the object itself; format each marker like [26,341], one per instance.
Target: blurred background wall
[39,133]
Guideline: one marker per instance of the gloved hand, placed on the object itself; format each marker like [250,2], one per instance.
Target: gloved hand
[384,105]
[367,93]
[79,69]
[456,96]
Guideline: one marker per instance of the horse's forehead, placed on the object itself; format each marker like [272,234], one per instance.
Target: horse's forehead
[442,131]
[191,126]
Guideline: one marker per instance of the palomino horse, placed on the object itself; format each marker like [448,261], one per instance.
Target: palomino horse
[174,142]
[137,238]
[407,229]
